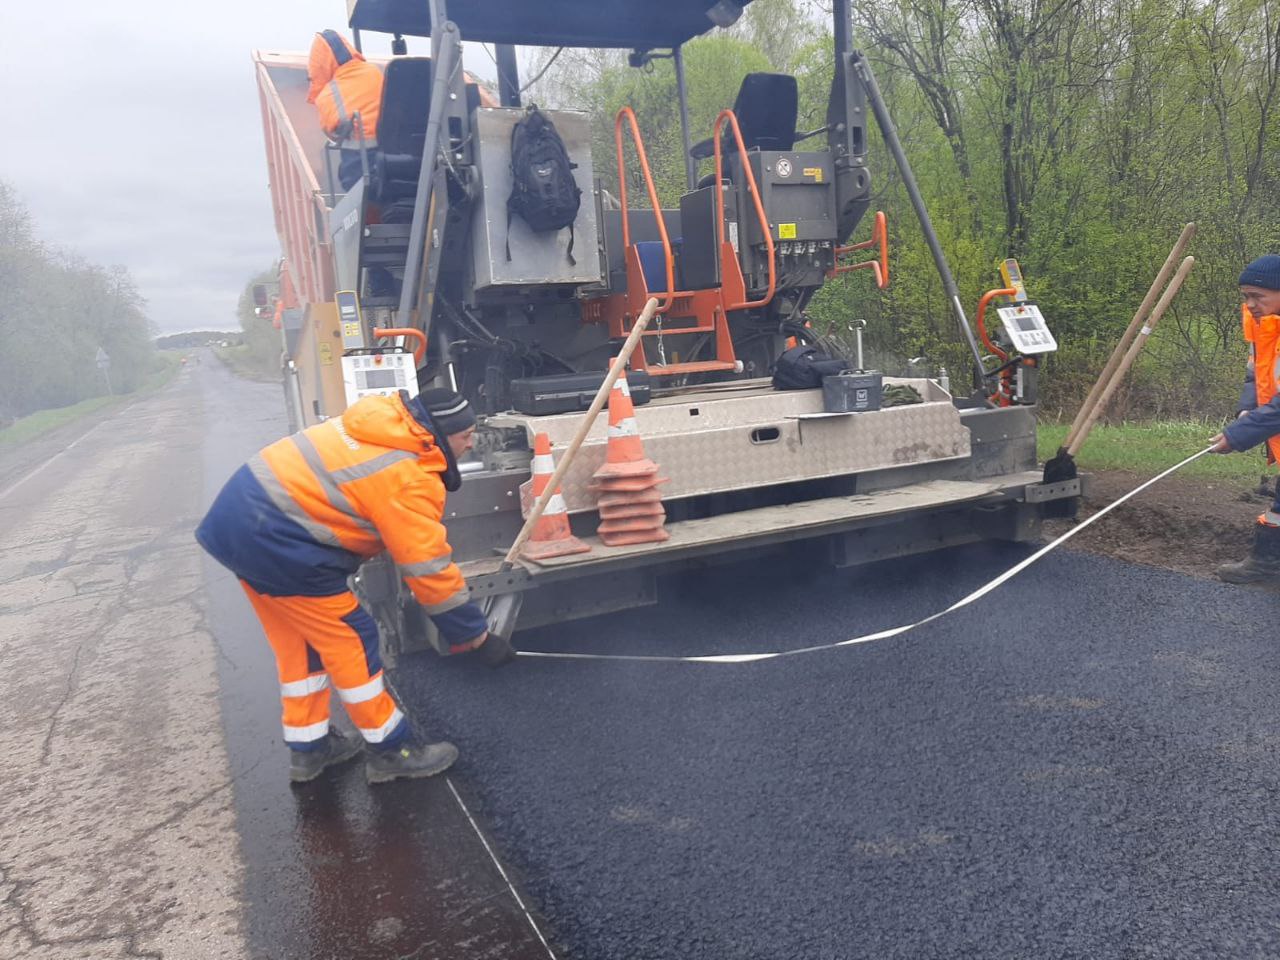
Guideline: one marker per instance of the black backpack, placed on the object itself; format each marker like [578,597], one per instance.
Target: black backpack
[803,367]
[543,190]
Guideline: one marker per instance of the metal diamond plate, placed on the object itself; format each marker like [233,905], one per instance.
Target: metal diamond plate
[713,442]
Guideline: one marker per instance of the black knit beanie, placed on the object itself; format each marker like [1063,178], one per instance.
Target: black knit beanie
[448,411]
[1263,272]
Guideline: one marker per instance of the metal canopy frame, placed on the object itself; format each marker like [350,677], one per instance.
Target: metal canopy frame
[642,26]
[638,24]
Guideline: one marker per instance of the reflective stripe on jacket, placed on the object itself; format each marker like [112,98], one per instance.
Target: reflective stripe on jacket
[342,84]
[1262,422]
[299,517]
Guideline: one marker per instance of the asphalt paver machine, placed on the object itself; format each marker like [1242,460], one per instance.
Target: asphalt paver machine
[424,252]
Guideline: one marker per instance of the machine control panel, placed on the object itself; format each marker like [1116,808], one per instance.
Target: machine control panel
[1025,326]
[380,374]
[350,321]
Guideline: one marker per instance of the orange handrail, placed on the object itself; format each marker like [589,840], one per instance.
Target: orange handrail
[630,116]
[755,196]
[419,352]
[880,267]
[982,313]
[1004,390]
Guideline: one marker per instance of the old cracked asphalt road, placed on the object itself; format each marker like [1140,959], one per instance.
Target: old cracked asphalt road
[145,809]
[1083,765]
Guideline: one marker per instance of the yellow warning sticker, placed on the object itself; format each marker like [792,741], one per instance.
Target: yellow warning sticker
[786,231]
[326,354]
[815,172]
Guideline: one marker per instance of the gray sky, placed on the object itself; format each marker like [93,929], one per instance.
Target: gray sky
[140,141]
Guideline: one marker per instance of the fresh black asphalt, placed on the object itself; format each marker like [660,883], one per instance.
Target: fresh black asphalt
[1083,764]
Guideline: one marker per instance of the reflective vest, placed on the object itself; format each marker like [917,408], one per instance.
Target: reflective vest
[301,516]
[1263,336]
[342,84]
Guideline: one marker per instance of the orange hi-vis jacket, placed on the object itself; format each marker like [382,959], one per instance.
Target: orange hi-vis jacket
[343,84]
[1261,394]
[301,516]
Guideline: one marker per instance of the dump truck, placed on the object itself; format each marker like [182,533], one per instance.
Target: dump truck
[421,274]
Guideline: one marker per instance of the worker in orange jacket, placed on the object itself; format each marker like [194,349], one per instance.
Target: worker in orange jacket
[347,91]
[1259,418]
[298,519]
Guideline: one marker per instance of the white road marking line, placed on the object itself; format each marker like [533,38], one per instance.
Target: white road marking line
[14,486]
[489,850]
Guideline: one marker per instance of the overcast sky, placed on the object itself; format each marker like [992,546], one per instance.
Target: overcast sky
[137,138]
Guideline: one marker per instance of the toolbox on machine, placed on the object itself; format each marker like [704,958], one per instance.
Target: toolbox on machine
[564,393]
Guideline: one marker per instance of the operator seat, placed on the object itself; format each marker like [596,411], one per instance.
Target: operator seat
[402,127]
[767,106]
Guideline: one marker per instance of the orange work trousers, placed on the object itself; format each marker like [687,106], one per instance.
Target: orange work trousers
[318,640]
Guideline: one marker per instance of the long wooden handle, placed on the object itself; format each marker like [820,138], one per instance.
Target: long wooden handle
[588,421]
[1135,324]
[1130,355]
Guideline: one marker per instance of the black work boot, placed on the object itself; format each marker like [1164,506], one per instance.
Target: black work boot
[410,760]
[336,748]
[1263,562]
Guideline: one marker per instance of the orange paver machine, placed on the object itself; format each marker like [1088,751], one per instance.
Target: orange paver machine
[434,248]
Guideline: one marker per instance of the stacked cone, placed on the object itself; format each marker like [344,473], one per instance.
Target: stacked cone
[630,507]
[551,536]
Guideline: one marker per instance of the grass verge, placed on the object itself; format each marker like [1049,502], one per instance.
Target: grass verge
[1148,448]
[243,361]
[43,422]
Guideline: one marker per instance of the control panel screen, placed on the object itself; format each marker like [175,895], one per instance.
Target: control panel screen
[378,379]
[1026,328]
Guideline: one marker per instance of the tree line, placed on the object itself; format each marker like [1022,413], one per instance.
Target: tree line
[56,313]
[1075,135]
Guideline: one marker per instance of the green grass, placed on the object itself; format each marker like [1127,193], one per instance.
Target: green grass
[44,421]
[1149,448]
[245,362]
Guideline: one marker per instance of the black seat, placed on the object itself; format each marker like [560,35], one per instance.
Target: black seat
[402,127]
[767,107]
[406,99]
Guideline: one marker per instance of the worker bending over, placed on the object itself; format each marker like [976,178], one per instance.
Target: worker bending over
[1259,419]
[298,519]
[347,91]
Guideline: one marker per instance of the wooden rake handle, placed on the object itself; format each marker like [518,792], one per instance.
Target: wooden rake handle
[1131,354]
[588,421]
[1086,408]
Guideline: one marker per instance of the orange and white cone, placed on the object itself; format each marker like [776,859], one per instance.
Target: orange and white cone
[551,535]
[624,453]
[630,507]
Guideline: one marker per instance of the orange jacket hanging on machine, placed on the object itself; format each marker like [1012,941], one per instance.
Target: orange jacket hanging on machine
[343,84]
[301,516]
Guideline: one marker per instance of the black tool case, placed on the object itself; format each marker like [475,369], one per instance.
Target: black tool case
[564,393]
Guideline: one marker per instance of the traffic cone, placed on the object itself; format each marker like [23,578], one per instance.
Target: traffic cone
[624,453]
[630,506]
[551,535]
